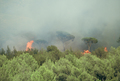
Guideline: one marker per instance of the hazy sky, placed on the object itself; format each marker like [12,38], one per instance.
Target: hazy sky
[41,18]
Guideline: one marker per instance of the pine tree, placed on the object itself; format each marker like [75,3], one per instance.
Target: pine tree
[2,51]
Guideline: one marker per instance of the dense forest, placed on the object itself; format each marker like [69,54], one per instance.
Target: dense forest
[59,40]
[51,64]
[54,65]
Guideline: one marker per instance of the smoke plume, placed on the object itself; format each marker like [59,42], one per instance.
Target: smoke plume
[24,20]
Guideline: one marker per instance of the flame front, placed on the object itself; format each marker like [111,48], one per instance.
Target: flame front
[105,49]
[86,51]
[29,45]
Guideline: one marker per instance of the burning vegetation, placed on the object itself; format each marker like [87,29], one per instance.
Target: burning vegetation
[29,45]
[105,49]
[86,51]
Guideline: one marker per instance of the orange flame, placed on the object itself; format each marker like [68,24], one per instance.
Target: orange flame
[29,45]
[86,51]
[105,49]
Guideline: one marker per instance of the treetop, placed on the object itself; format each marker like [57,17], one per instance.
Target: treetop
[90,39]
[64,36]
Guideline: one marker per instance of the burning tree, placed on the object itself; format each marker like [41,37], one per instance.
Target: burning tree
[105,49]
[64,37]
[89,41]
[86,51]
[29,45]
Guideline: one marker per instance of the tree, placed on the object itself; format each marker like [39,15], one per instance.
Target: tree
[89,41]
[100,69]
[118,40]
[64,37]
[54,53]
[14,52]
[40,57]
[3,60]
[9,53]
[8,50]
[52,48]
[86,77]
[19,68]
[35,50]
[40,43]
[42,74]
[2,51]
[99,52]
[114,59]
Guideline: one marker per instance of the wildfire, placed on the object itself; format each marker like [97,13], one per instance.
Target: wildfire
[86,51]
[29,45]
[105,49]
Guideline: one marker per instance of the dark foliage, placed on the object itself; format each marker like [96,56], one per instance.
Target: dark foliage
[118,40]
[2,51]
[99,52]
[65,66]
[61,77]
[52,48]
[64,36]
[89,41]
